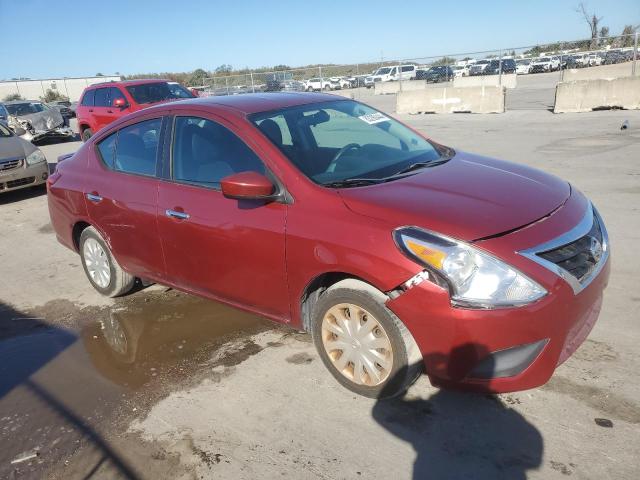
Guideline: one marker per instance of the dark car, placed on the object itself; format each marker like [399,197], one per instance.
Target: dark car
[282,81]
[64,108]
[396,253]
[493,68]
[613,57]
[441,73]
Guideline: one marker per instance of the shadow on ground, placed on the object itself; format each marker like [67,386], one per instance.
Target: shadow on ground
[461,435]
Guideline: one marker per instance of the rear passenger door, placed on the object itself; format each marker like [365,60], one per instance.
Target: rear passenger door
[216,246]
[121,195]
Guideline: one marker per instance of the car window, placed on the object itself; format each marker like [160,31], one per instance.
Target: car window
[334,141]
[107,149]
[408,68]
[101,98]
[87,99]
[204,152]
[137,147]
[114,94]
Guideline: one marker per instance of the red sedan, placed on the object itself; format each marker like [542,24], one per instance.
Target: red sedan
[398,254]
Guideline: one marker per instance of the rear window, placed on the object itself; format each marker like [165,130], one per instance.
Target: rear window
[87,99]
[157,92]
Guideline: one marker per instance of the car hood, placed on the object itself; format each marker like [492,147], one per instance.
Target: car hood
[469,197]
[45,120]
[14,147]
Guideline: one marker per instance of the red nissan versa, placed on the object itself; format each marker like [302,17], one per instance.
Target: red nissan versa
[103,103]
[395,252]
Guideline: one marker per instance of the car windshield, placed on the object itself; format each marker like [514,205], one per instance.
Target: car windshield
[383,71]
[26,108]
[544,59]
[179,91]
[338,141]
[157,92]
[4,131]
[524,62]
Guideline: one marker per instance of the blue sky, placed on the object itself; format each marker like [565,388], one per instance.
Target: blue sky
[52,38]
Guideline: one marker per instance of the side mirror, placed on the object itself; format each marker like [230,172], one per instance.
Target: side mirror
[19,131]
[247,186]
[120,103]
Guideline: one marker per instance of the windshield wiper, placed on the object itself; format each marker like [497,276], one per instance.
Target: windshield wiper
[352,182]
[417,165]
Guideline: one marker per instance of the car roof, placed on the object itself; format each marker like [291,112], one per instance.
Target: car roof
[127,83]
[17,102]
[249,103]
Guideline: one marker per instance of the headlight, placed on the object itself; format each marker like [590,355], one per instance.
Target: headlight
[35,157]
[475,278]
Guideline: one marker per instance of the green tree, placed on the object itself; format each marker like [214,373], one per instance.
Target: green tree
[51,95]
[223,69]
[197,77]
[12,96]
[627,39]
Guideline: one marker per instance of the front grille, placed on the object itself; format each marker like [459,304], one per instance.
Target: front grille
[10,165]
[580,257]
[17,183]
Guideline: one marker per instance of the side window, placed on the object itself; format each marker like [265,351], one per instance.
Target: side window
[107,149]
[87,99]
[102,97]
[137,148]
[115,93]
[394,71]
[204,152]
[408,68]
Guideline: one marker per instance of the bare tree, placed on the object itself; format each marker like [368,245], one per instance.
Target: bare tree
[592,20]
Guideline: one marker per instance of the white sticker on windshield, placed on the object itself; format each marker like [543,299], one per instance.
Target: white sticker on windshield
[372,118]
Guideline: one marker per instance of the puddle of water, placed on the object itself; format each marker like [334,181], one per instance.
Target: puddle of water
[71,376]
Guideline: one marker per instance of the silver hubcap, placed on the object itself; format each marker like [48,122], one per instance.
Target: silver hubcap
[97,263]
[357,345]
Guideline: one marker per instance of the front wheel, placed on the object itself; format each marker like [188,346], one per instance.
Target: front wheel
[363,344]
[101,268]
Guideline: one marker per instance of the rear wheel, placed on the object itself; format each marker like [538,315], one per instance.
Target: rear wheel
[102,270]
[86,134]
[362,343]
[327,87]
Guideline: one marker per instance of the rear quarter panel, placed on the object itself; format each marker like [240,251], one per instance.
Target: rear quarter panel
[65,197]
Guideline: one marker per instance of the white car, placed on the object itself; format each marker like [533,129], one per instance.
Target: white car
[460,70]
[545,64]
[338,83]
[594,60]
[317,84]
[523,67]
[478,67]
[391,74]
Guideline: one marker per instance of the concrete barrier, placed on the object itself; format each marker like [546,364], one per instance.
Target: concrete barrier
[594,73]
[588,95]
[508,81]
[385,88]
[452,100]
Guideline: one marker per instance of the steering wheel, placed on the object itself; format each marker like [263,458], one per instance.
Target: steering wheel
[342,151]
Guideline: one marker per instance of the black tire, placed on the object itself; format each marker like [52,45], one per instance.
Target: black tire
[120,282]
[86,134]
[327,88]
[406,363]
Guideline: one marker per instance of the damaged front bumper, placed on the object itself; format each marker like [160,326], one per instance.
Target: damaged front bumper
[59,133]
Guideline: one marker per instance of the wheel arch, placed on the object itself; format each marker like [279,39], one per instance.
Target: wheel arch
[328,280]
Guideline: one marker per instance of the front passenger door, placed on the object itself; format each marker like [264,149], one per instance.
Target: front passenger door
[216,246]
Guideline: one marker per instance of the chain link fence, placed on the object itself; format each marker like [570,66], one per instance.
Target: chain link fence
[361,79]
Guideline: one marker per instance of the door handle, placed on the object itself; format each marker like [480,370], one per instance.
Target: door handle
[94,197]
[90,110]
[109,111]
[178,215]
